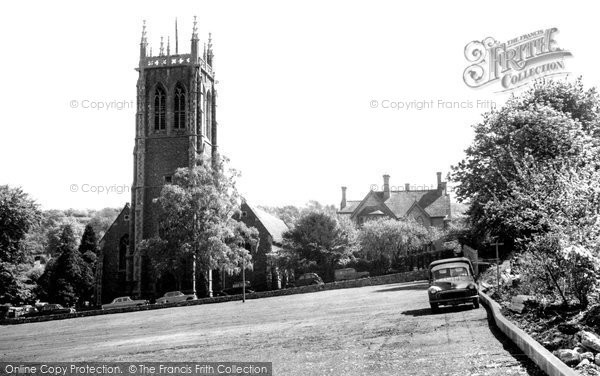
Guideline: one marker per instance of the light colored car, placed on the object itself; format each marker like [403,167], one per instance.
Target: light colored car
[349,273]
[174,297]
[124,301]
[452,282]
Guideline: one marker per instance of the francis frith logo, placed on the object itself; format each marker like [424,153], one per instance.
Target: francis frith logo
[514,63]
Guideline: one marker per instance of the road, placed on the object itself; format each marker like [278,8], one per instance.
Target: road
[375,330]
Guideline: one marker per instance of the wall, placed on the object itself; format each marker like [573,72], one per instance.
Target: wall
[380,280]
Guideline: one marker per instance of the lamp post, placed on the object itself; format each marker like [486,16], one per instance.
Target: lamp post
[496,243]
[244,280]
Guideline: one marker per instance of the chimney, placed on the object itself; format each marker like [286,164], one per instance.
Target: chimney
[343,203]
[407,187]
[386,187]
[441,185]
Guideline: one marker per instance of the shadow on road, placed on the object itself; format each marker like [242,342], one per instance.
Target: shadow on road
[441,311]
[419,286]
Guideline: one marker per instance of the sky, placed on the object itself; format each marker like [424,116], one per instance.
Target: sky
[302,90]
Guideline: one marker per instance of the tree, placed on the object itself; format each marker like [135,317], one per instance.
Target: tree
[555,123]
[384,241]
[320,241]
[88,247]
[18,215]
[196,221]
[69,278]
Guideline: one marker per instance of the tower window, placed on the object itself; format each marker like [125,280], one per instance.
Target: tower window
[168,179]
[179,110]
[160,99]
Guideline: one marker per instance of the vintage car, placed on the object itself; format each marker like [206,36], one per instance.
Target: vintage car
[349,273]
[308,279]
[452,282]
[124,301]
[53,309]
[174,297]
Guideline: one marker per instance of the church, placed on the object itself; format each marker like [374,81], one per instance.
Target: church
[175,125]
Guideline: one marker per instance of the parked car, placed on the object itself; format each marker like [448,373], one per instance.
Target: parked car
[308,279]
[54,309]
[174,297]
[124,301]
[452,282]
[234,291]
[349,273]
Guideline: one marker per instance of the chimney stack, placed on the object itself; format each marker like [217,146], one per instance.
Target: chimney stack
[386,187]
[439,179]
[407,187]
[343,203]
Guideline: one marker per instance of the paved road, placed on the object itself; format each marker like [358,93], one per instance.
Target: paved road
[376,330]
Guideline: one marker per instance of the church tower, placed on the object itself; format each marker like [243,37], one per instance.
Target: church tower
[175,125]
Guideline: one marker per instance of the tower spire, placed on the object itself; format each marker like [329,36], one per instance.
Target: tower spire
[162,47]
[176,39]
[209,52]
[143,42]
[194,49]
[168,45]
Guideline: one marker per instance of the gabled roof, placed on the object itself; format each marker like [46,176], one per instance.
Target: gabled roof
[275,226]
[433,202]
[126,207]
[350,206]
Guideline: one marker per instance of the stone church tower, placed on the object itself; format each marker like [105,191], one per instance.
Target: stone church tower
[175,125]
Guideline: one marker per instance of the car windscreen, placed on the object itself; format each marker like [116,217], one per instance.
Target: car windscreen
[450,271]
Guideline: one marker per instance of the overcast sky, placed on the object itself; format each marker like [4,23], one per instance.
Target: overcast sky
[295,83]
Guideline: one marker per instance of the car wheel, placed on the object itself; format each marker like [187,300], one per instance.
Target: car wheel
[476,303]
[434,307]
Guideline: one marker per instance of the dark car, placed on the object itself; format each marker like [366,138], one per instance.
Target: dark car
[55,309]
[308,279]
[233,291]
[452,282]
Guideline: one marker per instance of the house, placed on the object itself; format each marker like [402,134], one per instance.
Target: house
[430,207]
[265,274]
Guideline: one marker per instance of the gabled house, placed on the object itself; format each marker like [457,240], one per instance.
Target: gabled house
[430,207]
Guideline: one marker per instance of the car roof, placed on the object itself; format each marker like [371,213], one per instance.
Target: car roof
[449,260]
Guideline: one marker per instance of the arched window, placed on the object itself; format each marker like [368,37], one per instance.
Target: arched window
[179,109]
[160,100]
[209,106]
[123,243]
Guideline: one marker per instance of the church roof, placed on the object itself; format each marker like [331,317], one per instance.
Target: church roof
[275,226]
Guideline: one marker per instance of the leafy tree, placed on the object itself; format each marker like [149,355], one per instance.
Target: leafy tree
[555,123]
[320,241]
[18,214]
[384,241]
[196,221]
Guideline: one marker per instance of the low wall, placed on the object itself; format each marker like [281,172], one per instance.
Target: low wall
[369,281]
[532,348]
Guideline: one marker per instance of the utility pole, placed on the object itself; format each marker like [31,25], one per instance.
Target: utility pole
[496,243]
[244,280]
